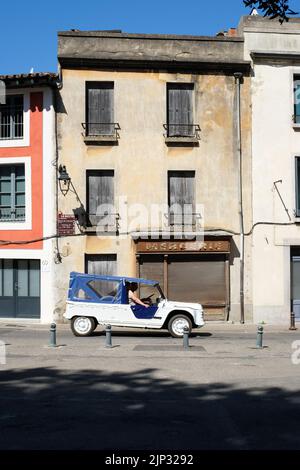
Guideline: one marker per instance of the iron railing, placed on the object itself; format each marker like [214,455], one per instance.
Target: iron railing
[296,118]
[12,215]
[183,218]
[101,129]
[11,122]
[182,130]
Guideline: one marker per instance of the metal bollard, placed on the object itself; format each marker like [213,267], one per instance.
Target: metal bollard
[186,337]
[259,340]
[293,322]
[108,343]
[52,343]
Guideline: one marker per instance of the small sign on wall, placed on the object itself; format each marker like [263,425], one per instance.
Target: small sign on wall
[66,224]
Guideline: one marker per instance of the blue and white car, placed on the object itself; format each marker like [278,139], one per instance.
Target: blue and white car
[100,300]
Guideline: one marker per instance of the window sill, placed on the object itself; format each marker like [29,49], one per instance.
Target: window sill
[182,141]
[296,126]
[101,140]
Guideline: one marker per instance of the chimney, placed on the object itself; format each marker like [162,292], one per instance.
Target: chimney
[232,32]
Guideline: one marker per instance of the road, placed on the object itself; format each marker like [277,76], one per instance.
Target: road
[147,392]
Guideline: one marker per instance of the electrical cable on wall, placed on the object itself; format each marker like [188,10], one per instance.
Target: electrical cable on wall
[82,234]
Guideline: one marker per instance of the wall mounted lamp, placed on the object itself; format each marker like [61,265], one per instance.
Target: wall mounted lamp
[64,180]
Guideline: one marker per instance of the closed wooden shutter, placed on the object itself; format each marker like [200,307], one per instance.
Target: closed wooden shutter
[100,109]
[103,265]
[199,279]
[180,110]
[100,191]
[151,268]
[182,197]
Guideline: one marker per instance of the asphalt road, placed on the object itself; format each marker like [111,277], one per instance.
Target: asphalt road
[147,392]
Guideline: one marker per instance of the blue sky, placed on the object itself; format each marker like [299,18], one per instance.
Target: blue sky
[28,33]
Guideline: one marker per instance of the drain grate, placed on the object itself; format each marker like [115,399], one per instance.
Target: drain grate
[156,347]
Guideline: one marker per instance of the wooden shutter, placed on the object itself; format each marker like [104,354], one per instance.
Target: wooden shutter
[103,265]
[100,190]
[180,109]
[182,197]
[100,115]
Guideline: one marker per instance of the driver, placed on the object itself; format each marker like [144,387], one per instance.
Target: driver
[133,299]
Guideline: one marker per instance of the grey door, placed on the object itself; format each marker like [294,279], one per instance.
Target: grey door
[19,288]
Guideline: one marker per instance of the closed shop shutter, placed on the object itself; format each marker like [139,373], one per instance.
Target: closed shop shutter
[199,279]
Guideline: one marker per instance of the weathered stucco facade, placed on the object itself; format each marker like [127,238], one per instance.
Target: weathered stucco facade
[140,67]
[274,51]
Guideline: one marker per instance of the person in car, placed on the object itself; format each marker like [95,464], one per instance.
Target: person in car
[132,297]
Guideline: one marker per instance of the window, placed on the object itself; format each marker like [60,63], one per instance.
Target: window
[12,193]
[181,197]
[100,199]
[180,110]
[100,109]
[11,118]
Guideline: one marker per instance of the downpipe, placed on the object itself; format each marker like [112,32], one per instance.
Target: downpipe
[238,81]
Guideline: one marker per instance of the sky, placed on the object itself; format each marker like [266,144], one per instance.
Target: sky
[28,34]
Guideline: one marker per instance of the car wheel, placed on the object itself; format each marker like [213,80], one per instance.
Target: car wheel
[177,324]
[83,326]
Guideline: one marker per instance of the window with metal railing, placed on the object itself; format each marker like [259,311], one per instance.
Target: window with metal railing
[180,111]
[12,193]
[11,118]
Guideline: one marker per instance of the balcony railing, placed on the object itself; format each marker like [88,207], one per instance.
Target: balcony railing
[101,129]
[12,215]
[11,122]
[296,118]
[104,222]
[183,219]
[182,130]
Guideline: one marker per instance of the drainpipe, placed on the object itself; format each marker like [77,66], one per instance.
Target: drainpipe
[56,90]
[238,81]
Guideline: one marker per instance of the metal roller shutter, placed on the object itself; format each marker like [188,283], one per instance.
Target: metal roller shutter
[199,279]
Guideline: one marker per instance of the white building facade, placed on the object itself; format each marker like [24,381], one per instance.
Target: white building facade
[274,50]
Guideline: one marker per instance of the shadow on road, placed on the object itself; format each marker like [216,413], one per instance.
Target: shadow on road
[47,408]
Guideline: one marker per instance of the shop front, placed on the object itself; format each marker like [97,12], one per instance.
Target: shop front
[190,271]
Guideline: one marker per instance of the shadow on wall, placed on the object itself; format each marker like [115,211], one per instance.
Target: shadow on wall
[44,408]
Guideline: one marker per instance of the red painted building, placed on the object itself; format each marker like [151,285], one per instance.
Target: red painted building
[27,152]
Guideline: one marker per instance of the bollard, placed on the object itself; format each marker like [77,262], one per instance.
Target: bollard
[293,322]
[186,337]
[52,343]
[259,340]
[108,343]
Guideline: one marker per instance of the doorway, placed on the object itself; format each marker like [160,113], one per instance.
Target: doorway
[19,288]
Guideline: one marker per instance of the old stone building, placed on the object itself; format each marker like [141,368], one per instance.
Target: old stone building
[149,123]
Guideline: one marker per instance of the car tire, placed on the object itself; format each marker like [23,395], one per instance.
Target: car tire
[177,323]
[83,326]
